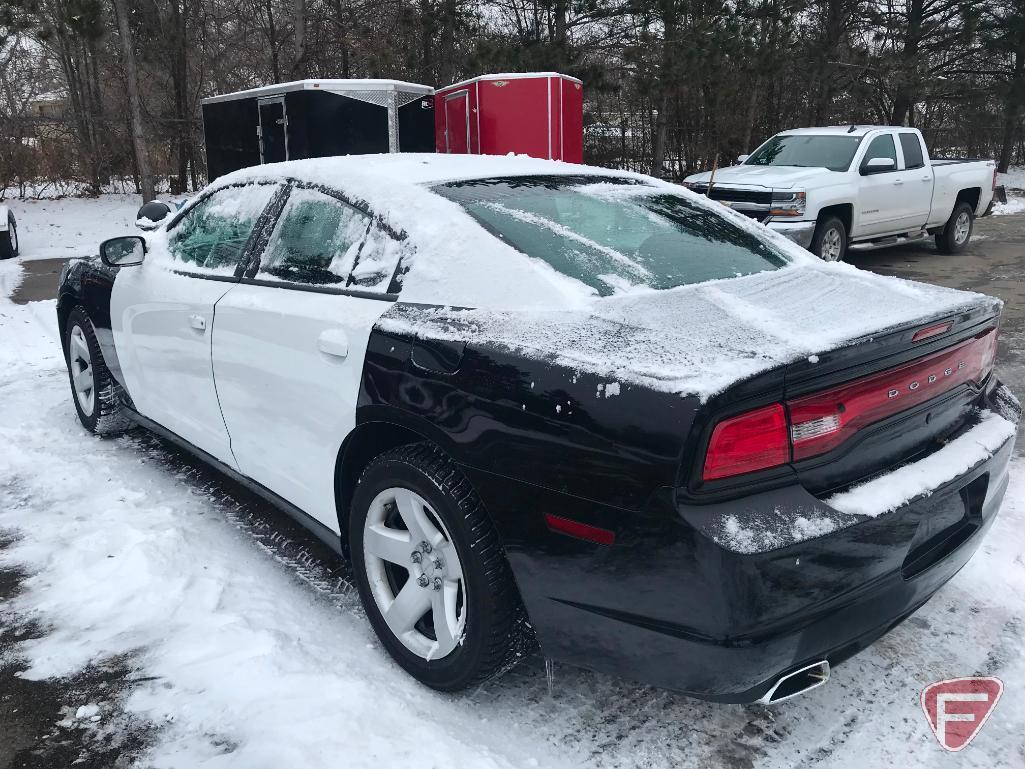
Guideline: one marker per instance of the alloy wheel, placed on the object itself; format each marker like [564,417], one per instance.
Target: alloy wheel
[962,226]
[81,370]
[414,573]
[832,244]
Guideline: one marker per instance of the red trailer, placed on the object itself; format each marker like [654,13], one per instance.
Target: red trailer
[534,113]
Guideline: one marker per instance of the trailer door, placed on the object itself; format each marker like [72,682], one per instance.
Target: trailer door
[457,122]
[273,130]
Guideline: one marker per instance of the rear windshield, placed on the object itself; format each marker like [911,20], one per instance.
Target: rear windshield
[807,150]
[613,234]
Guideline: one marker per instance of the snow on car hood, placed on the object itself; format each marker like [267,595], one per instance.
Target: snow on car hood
[773,177]
[700,339]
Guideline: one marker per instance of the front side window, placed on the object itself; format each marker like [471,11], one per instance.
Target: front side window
[315,242]
[212,235]
[830,151]
[912,148]
[881,147]
[612,235]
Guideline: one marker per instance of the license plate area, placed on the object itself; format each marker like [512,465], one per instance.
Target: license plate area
[946,525]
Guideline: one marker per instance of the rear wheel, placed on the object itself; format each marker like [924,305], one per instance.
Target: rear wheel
[431,572]
[97,395]
[9,239]
[830,240]
[957,231]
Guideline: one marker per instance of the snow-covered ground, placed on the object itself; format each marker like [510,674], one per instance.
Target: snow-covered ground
[1015,205]
[249,650]
[56,229]
[1013,179]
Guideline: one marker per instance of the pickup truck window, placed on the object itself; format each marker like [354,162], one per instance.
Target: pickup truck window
[807,151]
[613,235]
[881,147]
[912,150]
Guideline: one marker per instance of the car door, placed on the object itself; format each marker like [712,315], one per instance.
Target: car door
[880,199]
[289,343]
[916,201]
[162,314]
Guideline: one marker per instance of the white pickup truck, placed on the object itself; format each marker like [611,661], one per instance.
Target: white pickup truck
[856,186]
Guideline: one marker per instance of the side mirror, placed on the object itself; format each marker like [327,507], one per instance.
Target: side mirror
[123,252]
[152,215]
[742,158]
[878,165]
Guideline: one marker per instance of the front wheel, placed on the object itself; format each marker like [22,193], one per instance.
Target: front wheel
[9,240]
[430,570]
[830,240]
[97,395]
[957,231]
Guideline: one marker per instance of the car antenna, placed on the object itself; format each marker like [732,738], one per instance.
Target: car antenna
[852,129]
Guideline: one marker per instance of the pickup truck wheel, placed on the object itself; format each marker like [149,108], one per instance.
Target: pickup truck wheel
[9,240]
[95,392]
[830,240]
[431,572]
[957,231]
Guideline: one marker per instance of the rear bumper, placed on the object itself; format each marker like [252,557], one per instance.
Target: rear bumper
[671,605]
[799,232]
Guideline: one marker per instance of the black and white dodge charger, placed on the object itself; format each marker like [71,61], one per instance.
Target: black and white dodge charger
[533,400]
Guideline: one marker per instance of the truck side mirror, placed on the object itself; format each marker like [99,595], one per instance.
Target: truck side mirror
[152,215]
[878,165]
[742,158]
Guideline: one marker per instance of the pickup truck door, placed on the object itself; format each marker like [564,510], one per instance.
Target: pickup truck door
[880,194]
[289,345]
[162,314]
[918,181]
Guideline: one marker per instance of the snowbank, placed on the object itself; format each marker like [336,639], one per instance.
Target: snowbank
[1014,205]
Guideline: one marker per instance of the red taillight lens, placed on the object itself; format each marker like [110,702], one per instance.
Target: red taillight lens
[814,424]
[822,421]
[755,440]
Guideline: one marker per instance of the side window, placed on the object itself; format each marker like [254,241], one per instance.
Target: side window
[881,147]
[912,148]
[212,235]
[379,267]
[315,241]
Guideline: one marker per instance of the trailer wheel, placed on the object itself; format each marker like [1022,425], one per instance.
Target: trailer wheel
[829,242]
[957,231]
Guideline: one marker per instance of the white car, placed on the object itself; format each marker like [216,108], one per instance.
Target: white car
[8,233]
[858,186]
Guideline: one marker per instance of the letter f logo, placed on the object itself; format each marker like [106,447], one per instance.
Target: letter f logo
[958,707]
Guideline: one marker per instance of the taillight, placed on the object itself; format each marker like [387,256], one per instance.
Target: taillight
[755,440]
[994,179]
[817,423]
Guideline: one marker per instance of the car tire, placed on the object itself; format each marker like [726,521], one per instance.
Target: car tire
[957,231]
[9,239]
[487,629]
[98,398]
[829,242]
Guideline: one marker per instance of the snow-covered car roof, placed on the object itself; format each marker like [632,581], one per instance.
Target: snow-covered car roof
[845,130]
[696,338]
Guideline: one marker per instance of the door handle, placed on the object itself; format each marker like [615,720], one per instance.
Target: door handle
[333,342]
[898,181]
[198,322]
[926,178]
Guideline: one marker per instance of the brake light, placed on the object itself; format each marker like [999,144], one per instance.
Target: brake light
[755,440]
[994,179]
[815,424]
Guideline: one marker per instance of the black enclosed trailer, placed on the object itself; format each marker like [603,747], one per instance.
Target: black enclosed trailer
[314,119]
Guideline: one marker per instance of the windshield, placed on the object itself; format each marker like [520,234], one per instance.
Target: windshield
[613,234]
[807,151]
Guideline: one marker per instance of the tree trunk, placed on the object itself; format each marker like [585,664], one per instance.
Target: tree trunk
[299,19]
[134,101]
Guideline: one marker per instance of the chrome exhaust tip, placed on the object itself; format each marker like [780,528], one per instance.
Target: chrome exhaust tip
[799,682]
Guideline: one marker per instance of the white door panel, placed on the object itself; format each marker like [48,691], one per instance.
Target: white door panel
[288,365]
[161,323]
